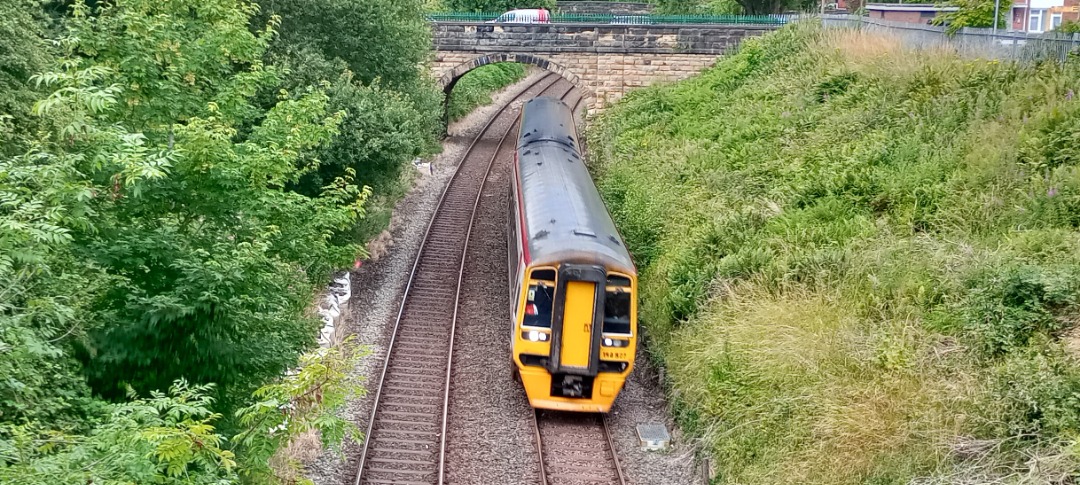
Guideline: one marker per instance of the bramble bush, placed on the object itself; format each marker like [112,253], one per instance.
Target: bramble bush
[858,261]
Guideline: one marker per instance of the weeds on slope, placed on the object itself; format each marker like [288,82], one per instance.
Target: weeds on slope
[860,263]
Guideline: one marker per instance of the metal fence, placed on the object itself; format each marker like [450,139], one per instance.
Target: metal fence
[969,42]
[650,19]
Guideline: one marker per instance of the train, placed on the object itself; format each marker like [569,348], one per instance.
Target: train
[572,281]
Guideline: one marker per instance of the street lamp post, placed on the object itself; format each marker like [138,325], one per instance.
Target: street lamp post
[997,5]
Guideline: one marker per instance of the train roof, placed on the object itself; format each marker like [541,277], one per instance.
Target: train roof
[565,219]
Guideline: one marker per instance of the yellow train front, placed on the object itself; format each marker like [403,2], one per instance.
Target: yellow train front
[573,285]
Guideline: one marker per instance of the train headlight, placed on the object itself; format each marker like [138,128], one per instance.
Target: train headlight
[534,336]
[614,342]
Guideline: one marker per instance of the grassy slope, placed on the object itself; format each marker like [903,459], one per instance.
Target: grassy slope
[859,264]
[475,88]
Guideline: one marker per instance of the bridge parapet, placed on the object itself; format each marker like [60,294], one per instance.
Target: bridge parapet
[704,39]
[603,60]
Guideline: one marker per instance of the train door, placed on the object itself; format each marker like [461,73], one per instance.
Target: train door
[576,330]
[577,324]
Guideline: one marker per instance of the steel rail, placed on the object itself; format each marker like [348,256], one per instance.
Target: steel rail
[413,274]
[611,446]
[461,273]
[599,422]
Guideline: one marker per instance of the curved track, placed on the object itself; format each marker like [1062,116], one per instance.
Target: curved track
[405,440]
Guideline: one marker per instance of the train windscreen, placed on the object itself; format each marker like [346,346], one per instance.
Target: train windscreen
[617,311]
[538,305]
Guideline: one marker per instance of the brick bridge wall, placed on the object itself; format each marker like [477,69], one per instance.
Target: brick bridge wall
[604,61]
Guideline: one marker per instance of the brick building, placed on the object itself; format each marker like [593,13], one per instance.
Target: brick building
[1038,16]
[916,13]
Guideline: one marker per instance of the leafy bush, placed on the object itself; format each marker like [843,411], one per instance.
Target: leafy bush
[151,239]
[1004,309]
[381,132]
[168,438]
[1068,27]
[971,13]
[494,5]
[23,53]
[393,112]
[387,40]
[1038,392]
[857,259]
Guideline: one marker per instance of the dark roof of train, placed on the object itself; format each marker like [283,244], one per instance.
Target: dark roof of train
[565,219]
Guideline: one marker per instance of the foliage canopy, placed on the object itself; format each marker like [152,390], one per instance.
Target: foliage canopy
[495,5]
[972,13]
[166,216]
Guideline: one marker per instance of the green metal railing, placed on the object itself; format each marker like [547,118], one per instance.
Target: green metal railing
[583,18]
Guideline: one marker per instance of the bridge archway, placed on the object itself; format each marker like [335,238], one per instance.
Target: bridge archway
[451,76]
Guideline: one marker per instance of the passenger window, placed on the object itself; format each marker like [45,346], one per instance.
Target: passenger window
[617,311]
[538,304]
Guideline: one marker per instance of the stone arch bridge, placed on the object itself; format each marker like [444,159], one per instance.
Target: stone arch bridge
[604,61]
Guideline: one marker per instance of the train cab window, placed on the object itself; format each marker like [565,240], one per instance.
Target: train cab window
[540,299]
[617,311]
[544,274]
[538,304]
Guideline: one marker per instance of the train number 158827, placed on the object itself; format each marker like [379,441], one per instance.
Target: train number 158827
[612,354]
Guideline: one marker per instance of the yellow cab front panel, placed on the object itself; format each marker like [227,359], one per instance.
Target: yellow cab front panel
[594,358]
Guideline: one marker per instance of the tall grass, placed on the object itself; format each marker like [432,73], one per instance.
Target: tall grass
[858,261]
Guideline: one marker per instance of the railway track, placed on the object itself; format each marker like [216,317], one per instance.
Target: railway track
[576,449]
[405,440]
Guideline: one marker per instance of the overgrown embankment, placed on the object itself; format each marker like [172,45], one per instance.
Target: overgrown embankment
[860,263]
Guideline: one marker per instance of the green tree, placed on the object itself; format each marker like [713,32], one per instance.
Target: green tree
[212,260]
[23,53]
[393,110]
[972,13]
[44,286]
[304,401]
[388,40]
[495,5]
[762,7]
[166,439]
[147,234]
[382,129]
[730,7]
[1068,27]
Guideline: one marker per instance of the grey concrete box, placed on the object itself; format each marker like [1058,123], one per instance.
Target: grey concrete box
[653,436]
